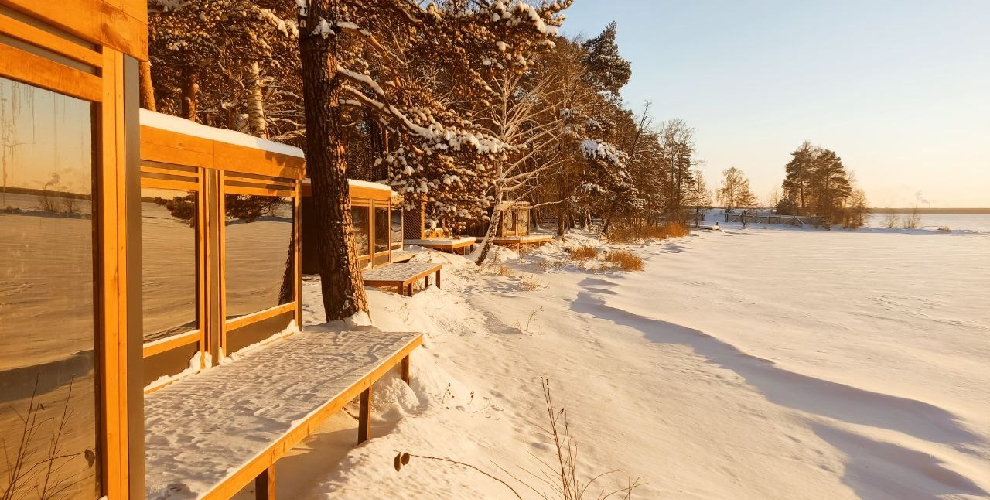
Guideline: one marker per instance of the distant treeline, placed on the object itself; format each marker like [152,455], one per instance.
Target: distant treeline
[46,192]
[947,211]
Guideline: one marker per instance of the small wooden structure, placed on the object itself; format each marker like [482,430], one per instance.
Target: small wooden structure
[402,276]
[514,229]
[378,225]
[460,245]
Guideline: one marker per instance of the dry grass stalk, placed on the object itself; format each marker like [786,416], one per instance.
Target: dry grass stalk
[624,260]
[581,254]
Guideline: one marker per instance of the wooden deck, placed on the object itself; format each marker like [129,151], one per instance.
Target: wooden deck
[451,245]
[521,241]
[402,275]
[208,436]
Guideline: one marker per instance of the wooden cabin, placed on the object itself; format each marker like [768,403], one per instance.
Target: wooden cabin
[376,213]
[142,254]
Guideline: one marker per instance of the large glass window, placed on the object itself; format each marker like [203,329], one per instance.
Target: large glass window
[258,265]
[361,221]
[381,229]
[396,228]
[169,286]
[48,417]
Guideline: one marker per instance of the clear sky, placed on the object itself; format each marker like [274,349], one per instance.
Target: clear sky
[900,89]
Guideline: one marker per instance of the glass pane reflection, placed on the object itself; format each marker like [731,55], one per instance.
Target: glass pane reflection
[258,252]
[396,227]
[168,262]
[47,328]
[361,220]
[381,229]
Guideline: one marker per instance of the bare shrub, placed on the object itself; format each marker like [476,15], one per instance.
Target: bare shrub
[890,221]
[503,270]
[562,476]
[529,283]
[913,221]
[581,254]
[625,260]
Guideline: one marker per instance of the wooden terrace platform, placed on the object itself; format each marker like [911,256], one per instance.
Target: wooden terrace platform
[521,241]
[208,436]
[450,245]
[401,275]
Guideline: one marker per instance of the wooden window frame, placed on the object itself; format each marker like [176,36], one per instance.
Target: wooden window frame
[35,55]
[194,181]
[250,183]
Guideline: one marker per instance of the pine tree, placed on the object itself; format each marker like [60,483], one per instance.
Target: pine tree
[798,179]
[735,191]
[607,70]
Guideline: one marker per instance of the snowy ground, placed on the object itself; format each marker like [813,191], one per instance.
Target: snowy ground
[750,364]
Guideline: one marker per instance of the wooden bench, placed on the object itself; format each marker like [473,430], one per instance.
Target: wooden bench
[209,435]
[401,275]
[451,245]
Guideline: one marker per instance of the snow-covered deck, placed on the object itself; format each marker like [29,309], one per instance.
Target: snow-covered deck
[529,239]
[455,245]
[402,275]
[209,435]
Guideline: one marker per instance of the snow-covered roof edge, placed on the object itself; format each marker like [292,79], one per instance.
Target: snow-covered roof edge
[356,183]
[183,126]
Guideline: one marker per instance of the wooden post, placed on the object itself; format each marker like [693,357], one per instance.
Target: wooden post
[264,484]
[404,370]
[438,278]
[427,280]
[364,416]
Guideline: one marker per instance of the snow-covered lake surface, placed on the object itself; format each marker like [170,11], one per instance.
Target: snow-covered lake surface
[744,364]
[956,222]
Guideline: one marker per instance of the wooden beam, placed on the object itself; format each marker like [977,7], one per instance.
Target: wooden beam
[172,343]
[118,24]
[259,316]
[39,71]
[264,484]
[364,416]
[36,36]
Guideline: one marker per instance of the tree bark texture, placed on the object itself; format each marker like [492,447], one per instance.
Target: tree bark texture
[256,103]
[147,86]
[190,93]
[343,289]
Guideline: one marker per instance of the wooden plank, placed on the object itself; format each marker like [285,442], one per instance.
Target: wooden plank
[112,344]
[259,191]
[172,343]
[150,182]
[118,24]
[258,316]
[364,415]
[264,484]
[297,253]
[164,146]
[165,169]
[367,193]
[257,161]
[15,28]
[36,70]
[307,427]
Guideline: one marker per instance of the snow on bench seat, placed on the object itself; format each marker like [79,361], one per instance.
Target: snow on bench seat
[401,275]
[208,435]
[453,245]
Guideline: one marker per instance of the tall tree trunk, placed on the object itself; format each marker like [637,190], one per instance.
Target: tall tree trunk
[256,103]
[343,290]
[190,93]
[147,87]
